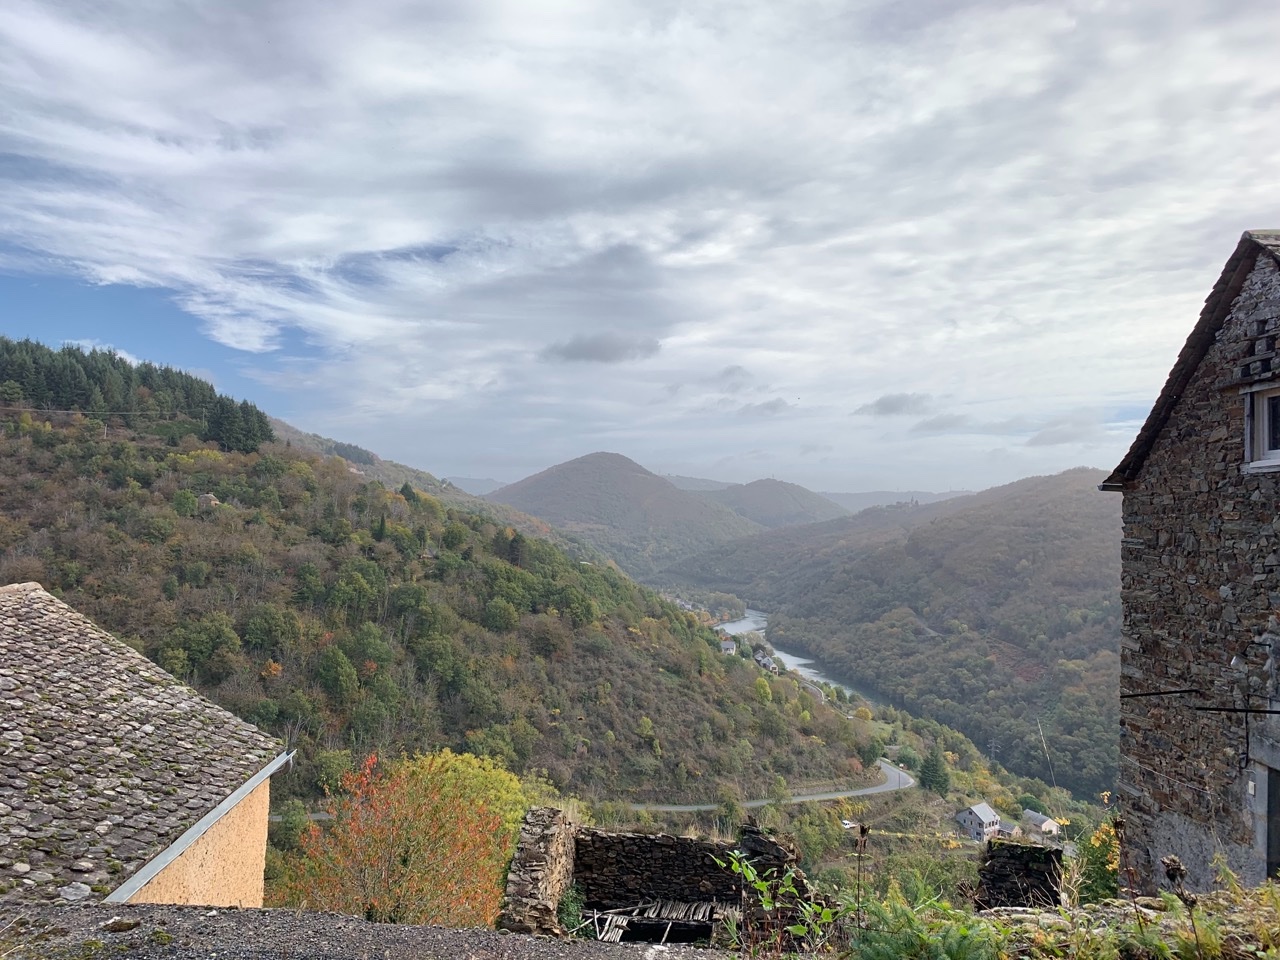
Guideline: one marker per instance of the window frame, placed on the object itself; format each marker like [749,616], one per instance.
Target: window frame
[1258,456]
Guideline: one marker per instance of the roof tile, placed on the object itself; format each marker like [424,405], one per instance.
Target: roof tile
[105,759]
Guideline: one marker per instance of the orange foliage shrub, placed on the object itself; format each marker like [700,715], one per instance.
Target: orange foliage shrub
[412,843]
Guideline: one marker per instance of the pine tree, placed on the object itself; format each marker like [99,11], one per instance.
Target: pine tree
[933,772]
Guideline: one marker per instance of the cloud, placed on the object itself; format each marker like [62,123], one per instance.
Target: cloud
[944,423]
[602,348]
[894,404]
[768,408]
[733,379]
[387,211]
[87,344]
[1079,427]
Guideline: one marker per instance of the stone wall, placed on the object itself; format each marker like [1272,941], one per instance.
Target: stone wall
[540,873]
[625,869]
[622,869]
[1019,875]
[1201,579]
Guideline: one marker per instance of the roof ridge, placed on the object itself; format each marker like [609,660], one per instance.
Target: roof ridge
[1217,306]
[29,587]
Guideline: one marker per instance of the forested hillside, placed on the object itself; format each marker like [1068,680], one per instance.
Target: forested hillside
[348,617]
[99,383]
[638,518]
[369,465]
[997,614]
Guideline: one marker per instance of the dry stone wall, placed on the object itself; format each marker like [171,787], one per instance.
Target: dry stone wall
[621,869]
[1019,875]
[1200,583]
[540,873]
[614,870]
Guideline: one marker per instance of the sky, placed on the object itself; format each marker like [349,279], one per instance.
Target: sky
[855,245]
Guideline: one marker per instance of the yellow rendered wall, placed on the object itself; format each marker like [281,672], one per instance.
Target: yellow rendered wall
[224,867]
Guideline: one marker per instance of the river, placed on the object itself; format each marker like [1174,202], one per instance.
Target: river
[758,621]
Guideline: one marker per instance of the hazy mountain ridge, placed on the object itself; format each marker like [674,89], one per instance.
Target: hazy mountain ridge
[477,486]
[697,483]
[984,612]
[855,502]
[640,519]
[776,503]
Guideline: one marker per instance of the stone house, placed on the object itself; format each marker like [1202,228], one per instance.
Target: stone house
[766,662]
[1200,584]
[1040,825]
[116,781]
[729,647]
[979,822]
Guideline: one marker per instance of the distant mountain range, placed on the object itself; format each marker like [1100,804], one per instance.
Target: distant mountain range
[640,519]
[853,502]
[775,503]
[697,483]
[647,522]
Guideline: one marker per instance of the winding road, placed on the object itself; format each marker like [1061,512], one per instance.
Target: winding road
[895,779]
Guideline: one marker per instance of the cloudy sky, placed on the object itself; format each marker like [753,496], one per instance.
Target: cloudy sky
[931,245]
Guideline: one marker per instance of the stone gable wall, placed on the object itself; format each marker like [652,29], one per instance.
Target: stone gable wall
[1201,578]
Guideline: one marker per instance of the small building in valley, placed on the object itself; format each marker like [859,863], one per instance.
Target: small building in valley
[766,662]
[1200,744]
[1039,825]
[729,646]
[116,780]
[979,822]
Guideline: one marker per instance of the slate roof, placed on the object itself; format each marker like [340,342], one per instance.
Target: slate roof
[983,812]
[105,759]
[1217,307]
[1037,820]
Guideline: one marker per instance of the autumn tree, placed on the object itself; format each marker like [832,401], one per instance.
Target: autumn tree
[418,841]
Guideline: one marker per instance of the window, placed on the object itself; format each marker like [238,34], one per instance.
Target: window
[1262,443]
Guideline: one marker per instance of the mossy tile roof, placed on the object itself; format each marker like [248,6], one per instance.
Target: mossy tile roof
[105,759]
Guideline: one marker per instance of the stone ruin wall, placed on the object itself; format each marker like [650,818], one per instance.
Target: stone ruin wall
[624,869]
[1019,875]
[1201,577]
[540,873]
[621,869]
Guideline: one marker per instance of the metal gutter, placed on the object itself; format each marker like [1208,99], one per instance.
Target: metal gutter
[149,870]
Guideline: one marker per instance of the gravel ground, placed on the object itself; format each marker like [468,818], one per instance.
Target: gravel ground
[94,931]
